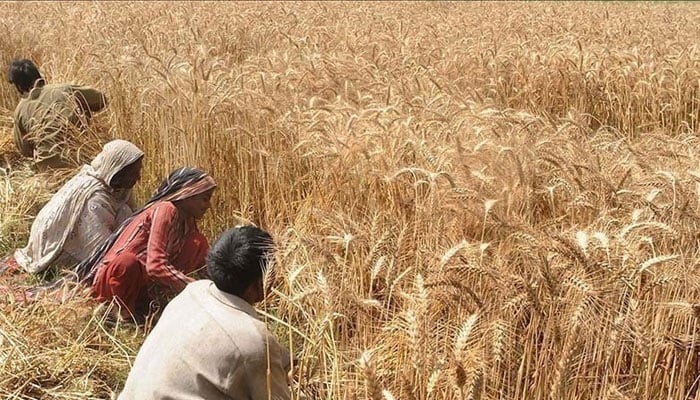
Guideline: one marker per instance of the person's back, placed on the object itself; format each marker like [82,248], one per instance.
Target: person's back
[210,343]
[207,344]
[46,114]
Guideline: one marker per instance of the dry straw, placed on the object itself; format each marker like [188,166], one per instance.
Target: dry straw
[485,200]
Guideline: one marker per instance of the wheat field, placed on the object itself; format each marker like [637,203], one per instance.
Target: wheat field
[470,200]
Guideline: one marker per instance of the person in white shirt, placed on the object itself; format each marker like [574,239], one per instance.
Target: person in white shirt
[209,342]
[83,213]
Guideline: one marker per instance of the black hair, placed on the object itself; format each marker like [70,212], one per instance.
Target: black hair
[239,258]
[177,179]
[23,74]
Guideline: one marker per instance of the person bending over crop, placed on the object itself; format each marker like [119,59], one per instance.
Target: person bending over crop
[210,343]
[47,112]
[155,248]
[83,213]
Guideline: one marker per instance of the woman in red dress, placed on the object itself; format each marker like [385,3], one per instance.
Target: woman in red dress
[157,246]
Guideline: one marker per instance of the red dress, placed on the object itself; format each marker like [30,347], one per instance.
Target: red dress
[159,246]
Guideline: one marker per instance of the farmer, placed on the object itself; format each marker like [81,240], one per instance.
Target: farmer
[210,342]
[155,248]
[46,114]
[84,212]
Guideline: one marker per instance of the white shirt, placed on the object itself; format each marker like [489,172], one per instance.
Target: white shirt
[208,345]
[82,214]
[99,218]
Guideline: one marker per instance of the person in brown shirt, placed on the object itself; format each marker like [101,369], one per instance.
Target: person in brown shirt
[47,112]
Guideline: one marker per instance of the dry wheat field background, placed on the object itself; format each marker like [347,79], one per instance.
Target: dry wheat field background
[471,200]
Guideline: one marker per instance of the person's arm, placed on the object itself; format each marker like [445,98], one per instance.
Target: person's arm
[90,100]
[123,212]
[267,376]
[96,224]
[158,262]
[20,136]
[126,203]
[193,255]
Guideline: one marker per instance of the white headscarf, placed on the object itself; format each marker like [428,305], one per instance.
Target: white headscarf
[59,216]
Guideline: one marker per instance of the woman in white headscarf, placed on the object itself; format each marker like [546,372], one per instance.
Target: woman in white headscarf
[84,212]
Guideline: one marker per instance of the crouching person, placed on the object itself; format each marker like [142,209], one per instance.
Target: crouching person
[83,213]
[209,342]
[150,256]
[47,113]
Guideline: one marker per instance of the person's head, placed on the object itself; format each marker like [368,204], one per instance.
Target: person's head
[119,164]
[127,177]
[237,262]
[23,74]
[195,206]
[189,189]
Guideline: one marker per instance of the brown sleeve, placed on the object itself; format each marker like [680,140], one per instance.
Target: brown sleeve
[24,146]
[90,100]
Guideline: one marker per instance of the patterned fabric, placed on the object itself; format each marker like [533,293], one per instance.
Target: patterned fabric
[150,261]
[181,184]
[101,215]
[83,213]
[157,238]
